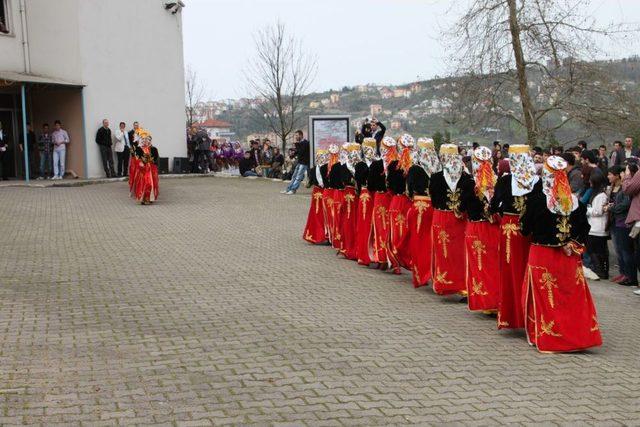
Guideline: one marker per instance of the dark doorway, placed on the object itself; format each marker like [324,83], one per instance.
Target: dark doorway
[9,158]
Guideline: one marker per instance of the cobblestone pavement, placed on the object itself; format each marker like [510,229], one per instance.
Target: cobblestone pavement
[208,308]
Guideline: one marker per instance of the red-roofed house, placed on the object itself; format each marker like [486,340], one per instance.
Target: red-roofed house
[216,128]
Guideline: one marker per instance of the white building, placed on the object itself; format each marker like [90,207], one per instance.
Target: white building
[84,60]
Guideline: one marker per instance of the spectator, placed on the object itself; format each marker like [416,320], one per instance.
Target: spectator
[60,139]
[629,150]
[203,153]
[504,167]
[266,158]
[289,165]
[588,160]
[278,162]
[3,150]
[496,146]
[133,136]
[617,209]
[45,146]
[574,174]
[616,158]
[603,160]
[497,156]
[302,154]
[246,165]
[631,187]
[474,145]
[597,216]
[122,149]
[505,151]
[582,145]
[103,139]
[256,155]
[377,132]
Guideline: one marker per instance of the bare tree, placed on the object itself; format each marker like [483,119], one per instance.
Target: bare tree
[532,62]
[194,92]
[280,75]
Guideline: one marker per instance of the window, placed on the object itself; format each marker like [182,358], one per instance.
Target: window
[4,15]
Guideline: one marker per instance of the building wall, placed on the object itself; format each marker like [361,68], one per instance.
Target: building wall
[128,54]
[132,66]
[11,55]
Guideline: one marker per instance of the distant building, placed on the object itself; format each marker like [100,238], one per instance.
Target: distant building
[362,88]
[386,93]
[402,93]
[396,125]
[325,102]
[375,109]
[314,104]
[216,128]
[335,98]
[416,87]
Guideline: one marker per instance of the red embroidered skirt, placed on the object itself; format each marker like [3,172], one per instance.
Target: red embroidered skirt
[327,206]
[398,254]
[335,214]
[133,172]
[314,231]
[381,227]
[514,252]
[364,250]
[448,253]
[419,220]
[349,223]
[146,184]
[559,313]
[482,242]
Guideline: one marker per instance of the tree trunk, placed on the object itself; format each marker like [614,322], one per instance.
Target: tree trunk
[527,106]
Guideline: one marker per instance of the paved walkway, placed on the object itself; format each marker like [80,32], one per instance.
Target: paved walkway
[208,308]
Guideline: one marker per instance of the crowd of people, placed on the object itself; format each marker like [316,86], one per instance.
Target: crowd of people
[507,229]
[263,159]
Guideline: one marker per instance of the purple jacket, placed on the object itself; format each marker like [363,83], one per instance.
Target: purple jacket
[631,187]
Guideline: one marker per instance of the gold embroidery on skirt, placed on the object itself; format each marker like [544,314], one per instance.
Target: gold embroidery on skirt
[479,248]
[478,288]
[364,198]
[421,206]
[317,197]
[400,220]
[441,277]
[509,230]
[547,328]
[443,239]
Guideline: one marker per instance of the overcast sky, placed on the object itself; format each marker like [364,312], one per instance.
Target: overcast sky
[355,41]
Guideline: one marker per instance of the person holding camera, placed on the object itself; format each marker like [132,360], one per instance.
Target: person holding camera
[377,132]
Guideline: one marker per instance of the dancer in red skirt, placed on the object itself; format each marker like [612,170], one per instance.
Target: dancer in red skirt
[448,223]
[328,193]
[349,157]
[420,213]
[315,231]
[509,200]
[146,182]
[367,191]
[559,312]
[482,235]
[399,208]
[382,201]
[337,195]
[134,160]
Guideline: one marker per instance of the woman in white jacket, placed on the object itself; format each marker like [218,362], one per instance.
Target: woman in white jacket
[597,248]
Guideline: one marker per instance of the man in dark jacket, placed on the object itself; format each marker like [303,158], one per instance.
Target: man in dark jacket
[103,139]
[302,154]
[377,132]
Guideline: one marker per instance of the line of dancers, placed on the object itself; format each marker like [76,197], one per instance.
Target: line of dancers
[510,246]
[143,168]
